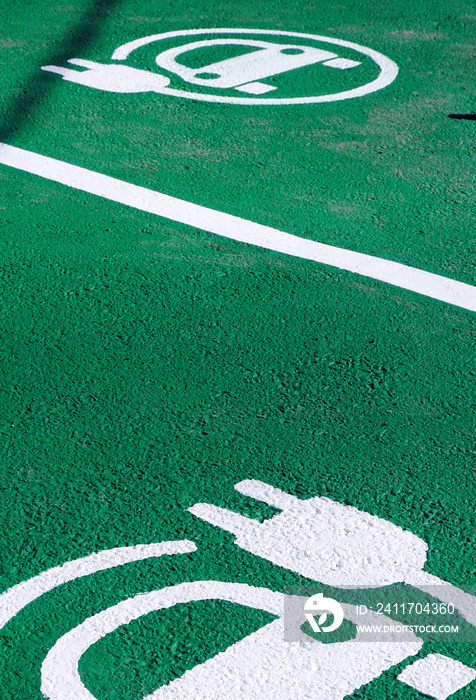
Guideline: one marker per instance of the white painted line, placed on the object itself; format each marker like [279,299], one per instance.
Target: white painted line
[228,226]
[17,597]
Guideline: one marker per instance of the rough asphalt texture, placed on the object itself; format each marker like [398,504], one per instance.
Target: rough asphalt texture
[149,366]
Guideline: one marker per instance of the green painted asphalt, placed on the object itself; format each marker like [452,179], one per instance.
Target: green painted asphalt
[150,366]
[387,174]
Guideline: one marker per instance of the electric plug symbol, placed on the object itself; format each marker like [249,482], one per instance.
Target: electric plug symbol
[111,77]
[320,539]
[334,544]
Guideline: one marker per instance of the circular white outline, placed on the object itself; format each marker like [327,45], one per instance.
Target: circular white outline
[388,69]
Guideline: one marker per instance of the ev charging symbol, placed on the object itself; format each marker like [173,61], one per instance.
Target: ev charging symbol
[373,553]
[267,55]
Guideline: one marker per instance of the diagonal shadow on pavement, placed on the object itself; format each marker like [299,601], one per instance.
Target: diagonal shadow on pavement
[21,109]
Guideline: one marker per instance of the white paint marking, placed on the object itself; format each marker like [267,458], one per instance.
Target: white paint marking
[255,88]
[111,78]
[437,676]
[17,597]
[228,226]
[254,65]
[321,539]
[388,69]
[341,63]
[335,544]
[261,666]
[266,493]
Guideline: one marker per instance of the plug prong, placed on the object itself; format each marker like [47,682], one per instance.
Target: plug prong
[59,70]
[226,519]
[266,493]
[84,63]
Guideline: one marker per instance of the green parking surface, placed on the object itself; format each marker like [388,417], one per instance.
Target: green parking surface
[149,366]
